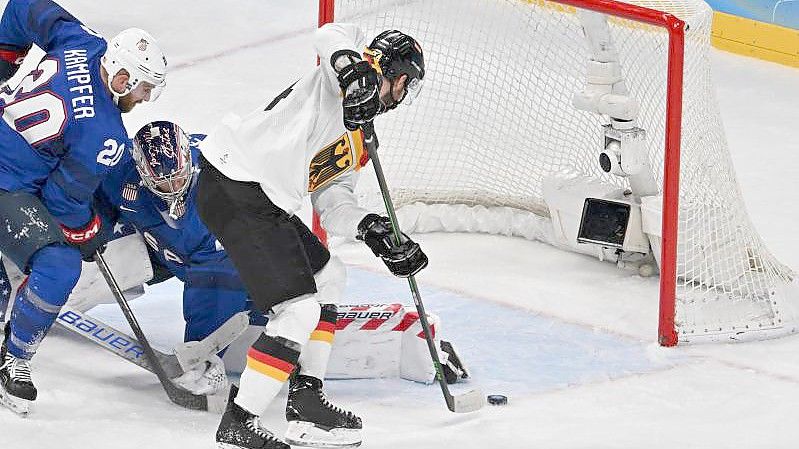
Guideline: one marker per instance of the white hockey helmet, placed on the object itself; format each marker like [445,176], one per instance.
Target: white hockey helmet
[137,52]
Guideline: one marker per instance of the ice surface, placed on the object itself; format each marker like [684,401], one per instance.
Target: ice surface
[568,339]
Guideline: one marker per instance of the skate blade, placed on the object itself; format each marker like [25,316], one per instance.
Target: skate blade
[227,446]
[306,434]
[19,406]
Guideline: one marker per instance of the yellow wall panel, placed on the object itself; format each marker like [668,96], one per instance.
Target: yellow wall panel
[757,39]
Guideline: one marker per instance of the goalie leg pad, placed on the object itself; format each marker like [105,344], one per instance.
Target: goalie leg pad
[128,259]
[28,227]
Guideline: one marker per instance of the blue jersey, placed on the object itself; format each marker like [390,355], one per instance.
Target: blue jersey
[175,242]
[213,291]
[61,132]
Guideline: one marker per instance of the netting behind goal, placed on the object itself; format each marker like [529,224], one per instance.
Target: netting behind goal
[495,119]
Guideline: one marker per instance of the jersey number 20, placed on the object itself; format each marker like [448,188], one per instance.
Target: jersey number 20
[38,117]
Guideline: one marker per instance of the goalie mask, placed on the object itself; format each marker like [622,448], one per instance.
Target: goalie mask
[163,160]
[393,54]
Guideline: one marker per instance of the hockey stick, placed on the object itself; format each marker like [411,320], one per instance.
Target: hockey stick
[185,356]
[179,396]
[461,403]
[117,342]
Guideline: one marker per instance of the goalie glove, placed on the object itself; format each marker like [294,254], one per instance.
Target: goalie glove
[207,378]
[403,260]
[360,84]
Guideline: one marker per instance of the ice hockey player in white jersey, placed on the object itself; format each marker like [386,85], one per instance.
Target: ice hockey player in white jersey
[255,172]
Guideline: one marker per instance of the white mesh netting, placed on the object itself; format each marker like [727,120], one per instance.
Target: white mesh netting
[495,118]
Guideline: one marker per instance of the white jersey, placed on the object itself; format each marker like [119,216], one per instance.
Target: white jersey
[296,144]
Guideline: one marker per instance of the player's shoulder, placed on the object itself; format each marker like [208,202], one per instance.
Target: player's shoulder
[75,40]
[98,133]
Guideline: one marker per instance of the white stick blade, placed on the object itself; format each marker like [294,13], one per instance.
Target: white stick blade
[468,402]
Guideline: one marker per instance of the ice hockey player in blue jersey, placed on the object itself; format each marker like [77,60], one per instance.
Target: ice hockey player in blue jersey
[155,194]
[61,133]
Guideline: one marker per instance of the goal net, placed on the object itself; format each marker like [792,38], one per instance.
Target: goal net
[495,143]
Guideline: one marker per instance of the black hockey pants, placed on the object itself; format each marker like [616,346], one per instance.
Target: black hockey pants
[275,253]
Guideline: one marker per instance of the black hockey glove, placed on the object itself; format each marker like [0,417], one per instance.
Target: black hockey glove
[89,238]
[403,260]
[361,86]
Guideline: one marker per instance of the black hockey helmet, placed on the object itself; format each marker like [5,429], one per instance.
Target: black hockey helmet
[393,54]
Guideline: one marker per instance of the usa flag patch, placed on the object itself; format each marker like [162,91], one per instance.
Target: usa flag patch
[180,209]
[130,192]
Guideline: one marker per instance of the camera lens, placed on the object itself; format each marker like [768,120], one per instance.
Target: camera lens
[604,162]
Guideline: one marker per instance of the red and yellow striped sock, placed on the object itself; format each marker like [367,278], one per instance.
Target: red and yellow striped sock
[315,354]
[270,361]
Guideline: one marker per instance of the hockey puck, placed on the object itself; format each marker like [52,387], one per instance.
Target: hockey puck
[497,399]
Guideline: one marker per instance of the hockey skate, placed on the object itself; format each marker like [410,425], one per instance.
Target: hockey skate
[16,386]
[315,422]
[240,429]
